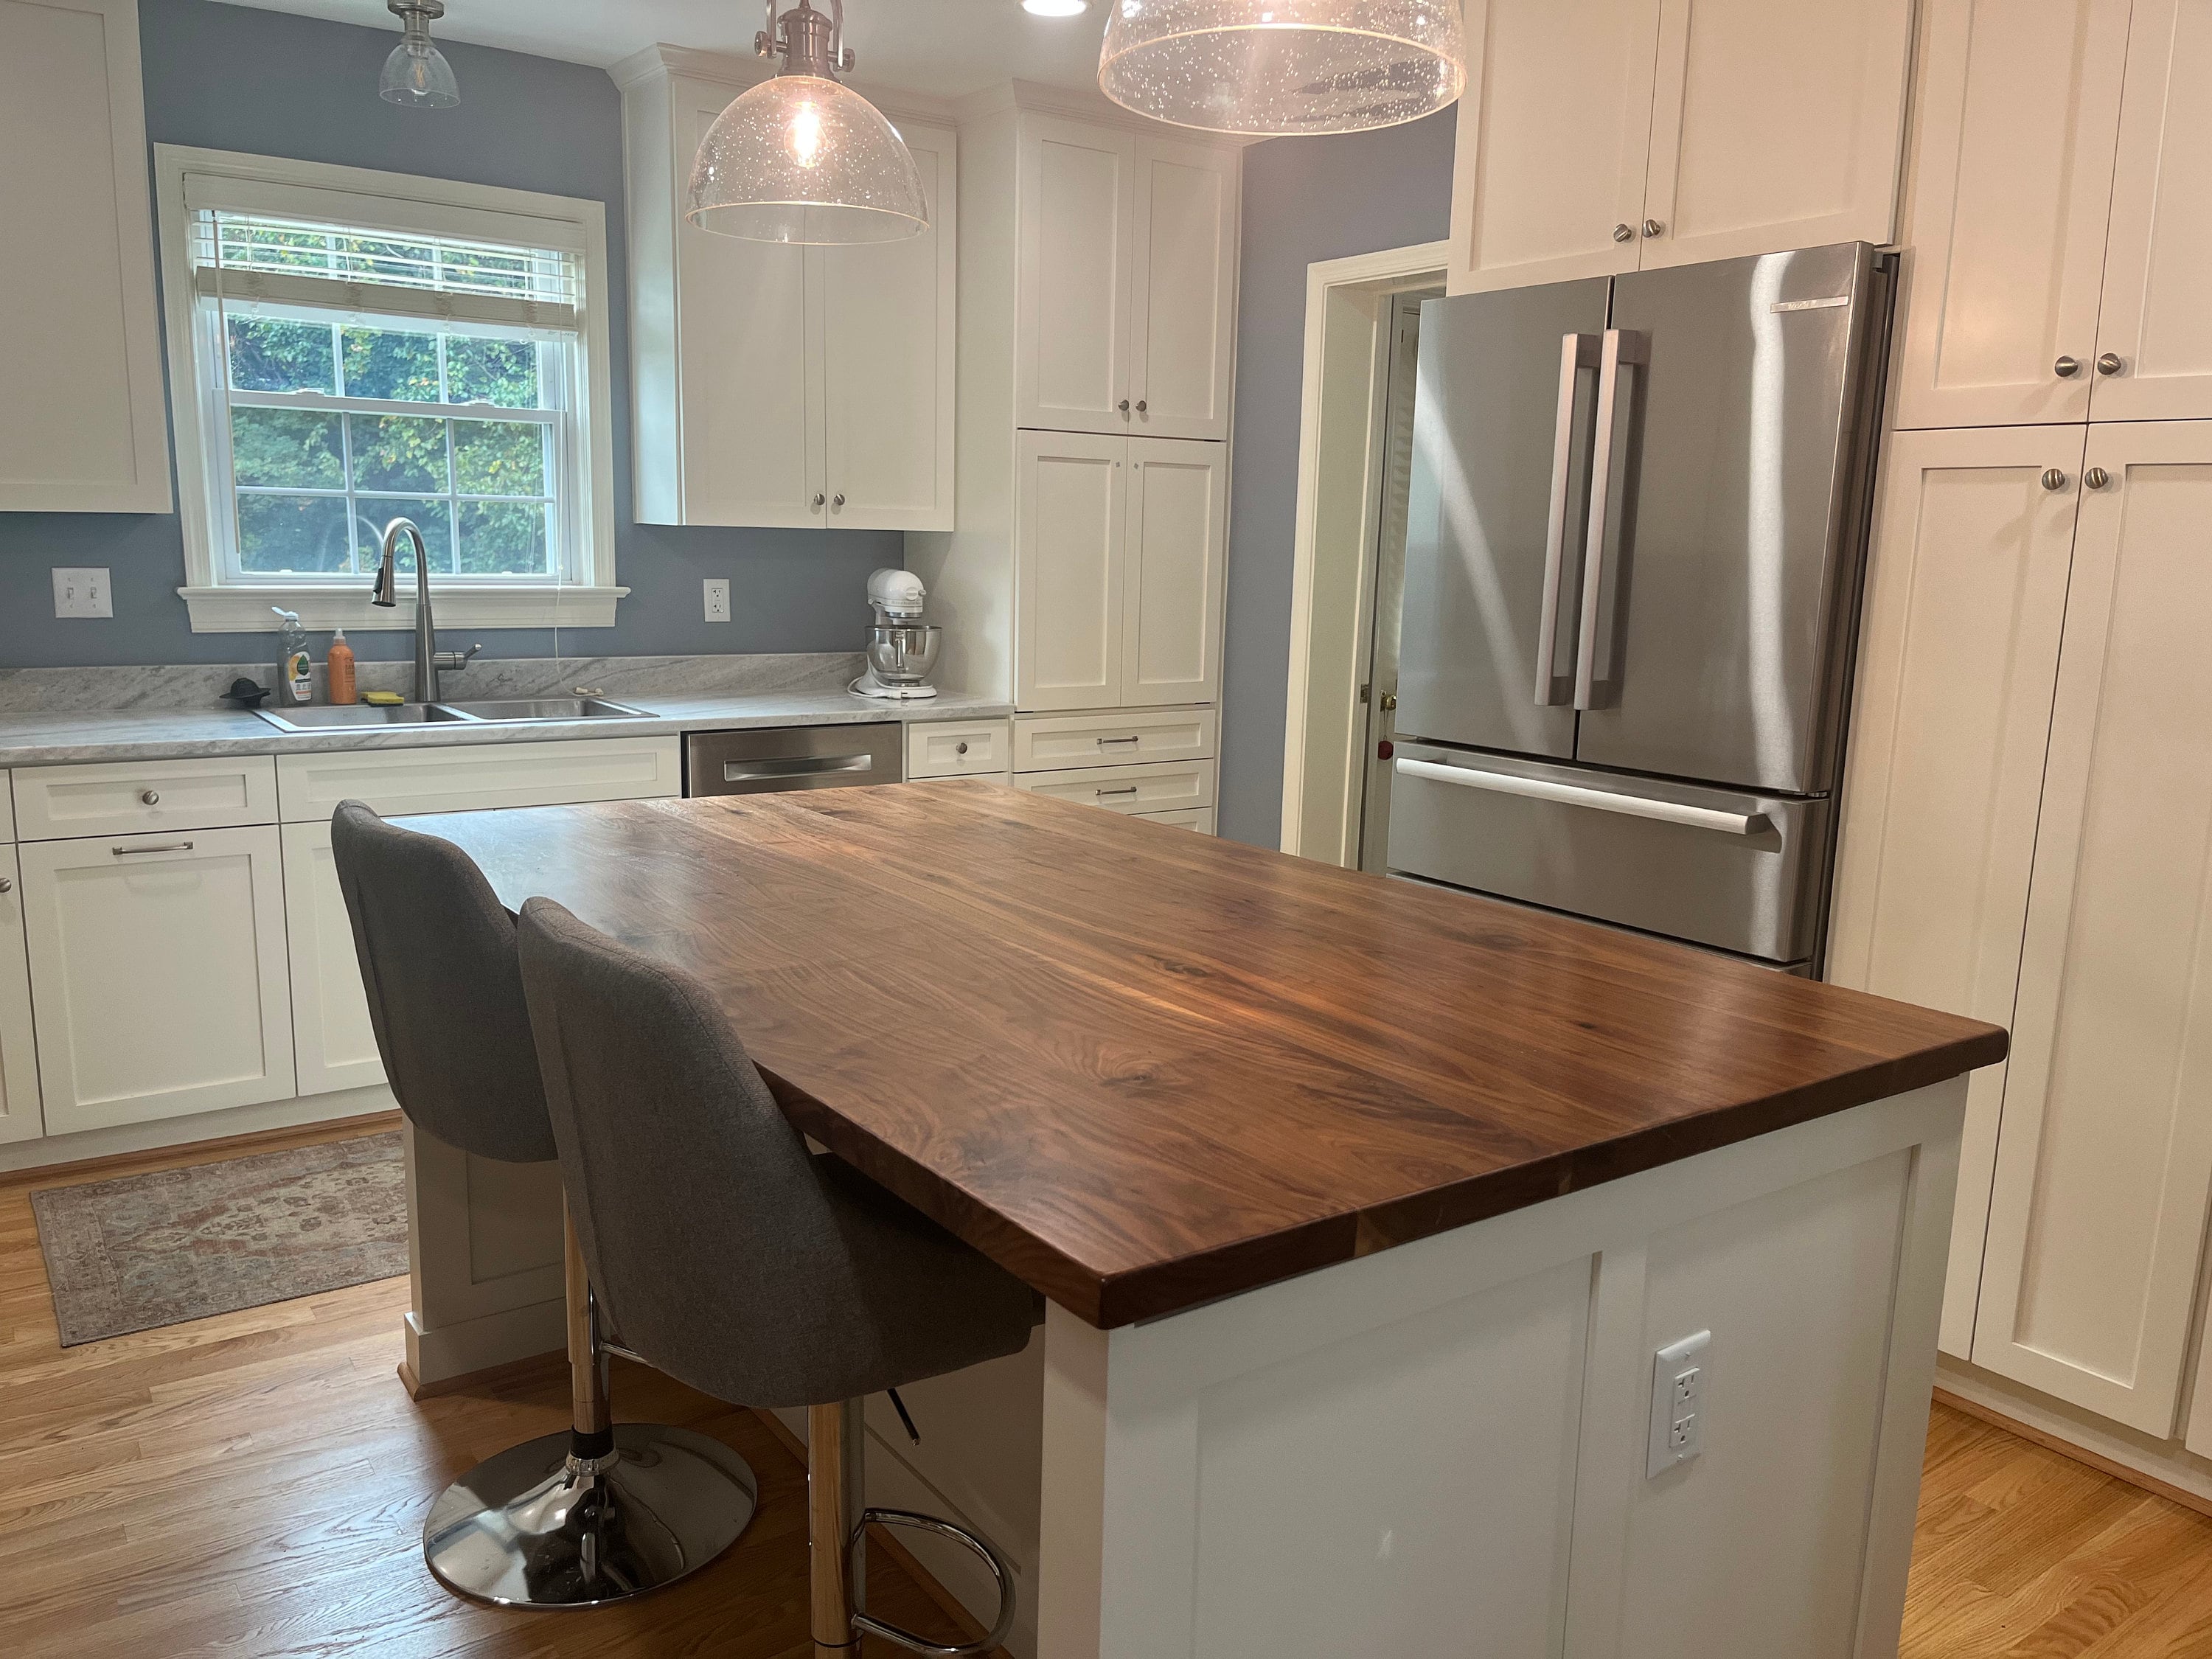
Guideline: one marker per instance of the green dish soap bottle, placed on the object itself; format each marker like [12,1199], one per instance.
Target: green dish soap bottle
[295,672]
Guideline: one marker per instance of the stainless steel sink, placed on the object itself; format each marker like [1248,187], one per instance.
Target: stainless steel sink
[514,711]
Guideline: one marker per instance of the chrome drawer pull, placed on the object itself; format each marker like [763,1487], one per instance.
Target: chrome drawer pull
[1103,742]
[1128,789]
[804,766]
[139,852]
[1568,794]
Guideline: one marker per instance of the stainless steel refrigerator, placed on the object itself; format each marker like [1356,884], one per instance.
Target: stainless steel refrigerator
[1635,529]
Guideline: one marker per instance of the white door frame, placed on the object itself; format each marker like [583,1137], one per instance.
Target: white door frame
[1341,460]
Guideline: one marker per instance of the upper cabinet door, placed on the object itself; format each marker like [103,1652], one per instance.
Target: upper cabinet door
[1775,124]
[2020,109]
[888,341]
[2105,1165]
[1070,558]
[1077,217]
[2154,335]
[1957,656]
[1183,289]
[83,422]
[1548,181]
[1177,530]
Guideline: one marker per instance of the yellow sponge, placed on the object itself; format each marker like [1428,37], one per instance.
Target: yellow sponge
[382,699]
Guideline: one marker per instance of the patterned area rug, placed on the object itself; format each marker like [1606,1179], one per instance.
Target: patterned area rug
[149,1250]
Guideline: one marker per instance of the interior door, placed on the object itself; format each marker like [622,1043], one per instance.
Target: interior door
[1386,606]
[1715,603]
[2020,110]
[1958,657]
[1183,291]
[887,311]
[2104,1160]
[1077,225]
[1070,564]
[1775,126]
[1493,517]
[1177,527]
[1554,135]
[2154,334]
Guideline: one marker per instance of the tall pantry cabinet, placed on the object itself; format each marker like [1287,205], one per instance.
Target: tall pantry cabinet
[1086,575]
[2028,819]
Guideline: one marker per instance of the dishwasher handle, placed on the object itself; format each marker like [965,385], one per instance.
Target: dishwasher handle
[799,766]
[1605,801]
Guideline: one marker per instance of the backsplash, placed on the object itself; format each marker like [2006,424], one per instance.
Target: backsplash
[201,685]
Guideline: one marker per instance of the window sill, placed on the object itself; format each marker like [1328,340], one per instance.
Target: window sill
[248,610]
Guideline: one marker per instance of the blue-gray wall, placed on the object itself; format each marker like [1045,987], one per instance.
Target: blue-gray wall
[234,77]
[1304,200]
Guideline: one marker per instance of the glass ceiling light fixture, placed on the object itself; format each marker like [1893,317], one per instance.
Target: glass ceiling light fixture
[1283,66]
[802,157]
[417,73]
[1056,7]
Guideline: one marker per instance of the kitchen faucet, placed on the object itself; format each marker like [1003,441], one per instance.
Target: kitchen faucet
[428,659]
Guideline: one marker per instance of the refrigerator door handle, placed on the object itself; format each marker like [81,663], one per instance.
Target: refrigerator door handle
[1577,352]
[1605,801]
[1622,347]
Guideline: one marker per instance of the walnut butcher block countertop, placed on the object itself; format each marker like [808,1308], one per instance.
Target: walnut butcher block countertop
[1144,1069]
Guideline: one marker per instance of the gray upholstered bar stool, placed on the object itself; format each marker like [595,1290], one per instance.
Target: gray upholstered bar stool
[603,1511]
[732,1259]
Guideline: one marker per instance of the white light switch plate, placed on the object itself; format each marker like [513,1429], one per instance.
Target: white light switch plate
[718,598]
[1680,1373]
[81,592]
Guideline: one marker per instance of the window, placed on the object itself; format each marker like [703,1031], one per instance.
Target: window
[349,349]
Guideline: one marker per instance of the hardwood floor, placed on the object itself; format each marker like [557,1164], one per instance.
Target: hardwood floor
[253,1485]
[2023,1553]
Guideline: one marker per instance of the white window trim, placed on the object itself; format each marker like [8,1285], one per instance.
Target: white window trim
[426,204]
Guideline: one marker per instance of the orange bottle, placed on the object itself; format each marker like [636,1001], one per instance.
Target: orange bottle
[337,669]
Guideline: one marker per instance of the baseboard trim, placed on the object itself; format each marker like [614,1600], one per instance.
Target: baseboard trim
[454,1353]
[491,1379]
[75,1156]
[1948,1393]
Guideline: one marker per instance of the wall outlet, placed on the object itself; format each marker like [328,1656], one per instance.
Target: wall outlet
[80,591]
[718,598]
[1678,1375]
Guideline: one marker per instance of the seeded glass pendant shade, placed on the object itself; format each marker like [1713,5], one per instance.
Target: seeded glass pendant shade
[1283,66]
[804,158]
[417,73]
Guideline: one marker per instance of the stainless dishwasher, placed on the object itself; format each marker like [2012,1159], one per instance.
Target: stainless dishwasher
[769,758]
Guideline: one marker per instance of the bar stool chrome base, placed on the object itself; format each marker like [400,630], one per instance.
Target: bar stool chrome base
[535,1527]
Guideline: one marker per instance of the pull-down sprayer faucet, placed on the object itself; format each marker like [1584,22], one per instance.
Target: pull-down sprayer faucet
[428,659]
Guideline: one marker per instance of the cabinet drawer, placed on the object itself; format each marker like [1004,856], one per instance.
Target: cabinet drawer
[1045,742]
[142,797]
[956,748]
[1200,818]
[476,777]
[1141,789]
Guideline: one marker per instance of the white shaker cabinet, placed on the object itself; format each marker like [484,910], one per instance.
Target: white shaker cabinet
[83,425]
[1958,658]
[157,974]
[1603,136]
[776,385]
[2019,111]
[2105,1166]
[19,1118]
[1125,295]
[334,1042]
[1175,540]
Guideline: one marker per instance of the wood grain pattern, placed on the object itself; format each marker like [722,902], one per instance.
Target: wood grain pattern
[1144,1069]
[253,1486]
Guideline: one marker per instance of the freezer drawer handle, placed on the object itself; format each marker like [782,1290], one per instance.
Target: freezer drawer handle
[1577,352]
[804,766]
[1568,794]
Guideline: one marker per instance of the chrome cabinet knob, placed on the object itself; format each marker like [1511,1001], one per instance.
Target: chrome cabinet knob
[1123,405]
[818,500]
[2096,477]
[151,797]
[7,885]
[1653,228]
[2066,368]
[838,500]
[2053,478]
[1624,233]
[959,748]
[1140,405]
[2110,363]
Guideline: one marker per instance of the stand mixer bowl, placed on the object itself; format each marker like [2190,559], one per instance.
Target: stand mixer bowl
[903,654]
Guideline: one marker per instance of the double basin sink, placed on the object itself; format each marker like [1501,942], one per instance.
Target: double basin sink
[514,711]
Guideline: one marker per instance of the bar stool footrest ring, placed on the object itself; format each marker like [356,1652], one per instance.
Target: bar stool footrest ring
[1001,1572]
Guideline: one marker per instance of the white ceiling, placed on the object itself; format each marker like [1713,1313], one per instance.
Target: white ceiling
[948,47]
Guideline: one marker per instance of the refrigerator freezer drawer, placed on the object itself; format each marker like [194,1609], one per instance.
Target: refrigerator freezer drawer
[1739,872]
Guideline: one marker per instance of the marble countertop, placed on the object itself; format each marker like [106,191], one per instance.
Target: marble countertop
[62,738]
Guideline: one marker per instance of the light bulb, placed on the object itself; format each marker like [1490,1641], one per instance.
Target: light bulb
[1056,7]
[805,139]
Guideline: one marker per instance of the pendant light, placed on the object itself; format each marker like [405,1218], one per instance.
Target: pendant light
[802,157]
[1283,66]
[417,73]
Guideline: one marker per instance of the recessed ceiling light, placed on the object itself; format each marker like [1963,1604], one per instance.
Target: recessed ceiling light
[1056,7]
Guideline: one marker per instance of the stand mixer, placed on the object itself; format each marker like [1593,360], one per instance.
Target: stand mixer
[902,647]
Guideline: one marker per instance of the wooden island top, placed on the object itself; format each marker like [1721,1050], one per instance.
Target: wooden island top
[1144,1069]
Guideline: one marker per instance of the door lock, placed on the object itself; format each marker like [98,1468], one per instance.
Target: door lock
[1389,702]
